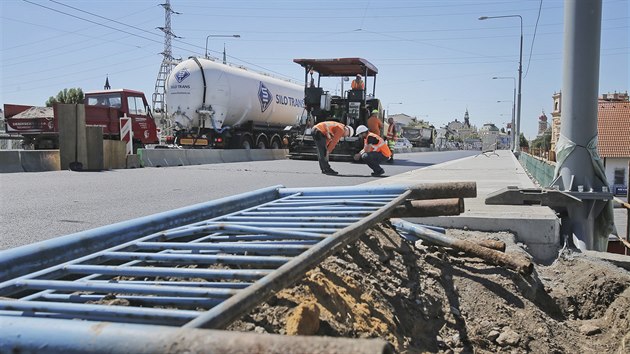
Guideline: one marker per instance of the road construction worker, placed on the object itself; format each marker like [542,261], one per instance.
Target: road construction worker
[391,136]
[374,124]
[357,83]
[326,136]
[375,150]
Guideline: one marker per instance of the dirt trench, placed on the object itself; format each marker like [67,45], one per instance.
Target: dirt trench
[430,299]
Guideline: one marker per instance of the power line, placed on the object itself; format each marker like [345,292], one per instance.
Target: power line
[533,38]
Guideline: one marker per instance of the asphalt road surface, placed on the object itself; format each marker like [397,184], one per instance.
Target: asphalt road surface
[40,206]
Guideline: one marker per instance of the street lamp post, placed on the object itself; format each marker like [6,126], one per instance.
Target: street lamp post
[512,131]
[512,144]
[520,79]
[219,36]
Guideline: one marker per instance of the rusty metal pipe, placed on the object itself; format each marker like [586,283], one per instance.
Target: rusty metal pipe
[515,262]
[492,244]
[444,190]
[429,207]
[32,335]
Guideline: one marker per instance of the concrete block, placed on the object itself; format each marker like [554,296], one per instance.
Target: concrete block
[162,157]
[114,155]
[94,148]
[133,161]
[237,155]
[261,155]
[203,156]
[10,161]
[280,154]
[40,160]
[72,140]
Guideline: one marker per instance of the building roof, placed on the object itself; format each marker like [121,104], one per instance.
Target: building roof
[613,128]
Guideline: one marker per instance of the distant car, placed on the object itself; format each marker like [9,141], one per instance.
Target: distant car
[403,143]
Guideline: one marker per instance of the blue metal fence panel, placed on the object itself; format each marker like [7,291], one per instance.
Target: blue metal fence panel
[207,272]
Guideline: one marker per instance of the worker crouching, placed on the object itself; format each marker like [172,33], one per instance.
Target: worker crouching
[375,150]
[326,136]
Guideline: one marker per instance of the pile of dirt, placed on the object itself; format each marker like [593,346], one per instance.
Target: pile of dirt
[429,299]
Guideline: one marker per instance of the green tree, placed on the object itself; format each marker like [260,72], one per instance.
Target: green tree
[72,95]
[523,141]
[543,142]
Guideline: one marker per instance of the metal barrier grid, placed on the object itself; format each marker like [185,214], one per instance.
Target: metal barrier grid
[208,273]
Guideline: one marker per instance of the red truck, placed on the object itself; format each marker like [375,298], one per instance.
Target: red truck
[39,125]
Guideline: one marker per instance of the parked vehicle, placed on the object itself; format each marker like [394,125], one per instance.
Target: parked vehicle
[403,143]
[39,126]
[419,136]
[215,105]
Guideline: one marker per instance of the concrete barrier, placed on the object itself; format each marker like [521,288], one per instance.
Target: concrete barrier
[203,157]
[10,161]
[185,157]
[114,155]
[238,155]
[133,161]
[29,161]
[40,160]
[162,157]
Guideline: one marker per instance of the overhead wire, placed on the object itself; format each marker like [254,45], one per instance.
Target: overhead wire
[531,49]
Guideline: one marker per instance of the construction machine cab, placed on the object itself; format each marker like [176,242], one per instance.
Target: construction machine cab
[352,107]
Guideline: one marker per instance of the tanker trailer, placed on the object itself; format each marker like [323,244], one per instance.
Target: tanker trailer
[215,105]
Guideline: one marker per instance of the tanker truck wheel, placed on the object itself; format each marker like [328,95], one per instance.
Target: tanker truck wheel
[262,142]
[275,142]
[245,142]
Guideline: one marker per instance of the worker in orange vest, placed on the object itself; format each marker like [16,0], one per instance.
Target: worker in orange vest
[357,83]
[375,150]
[374,124]
[391,137]
[326,136]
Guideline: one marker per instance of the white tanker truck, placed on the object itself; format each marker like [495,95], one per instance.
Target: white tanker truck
[215,105]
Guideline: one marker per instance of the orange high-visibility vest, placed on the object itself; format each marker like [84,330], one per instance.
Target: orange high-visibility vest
[391,132]
[327,128]
[381,146]
[358,85]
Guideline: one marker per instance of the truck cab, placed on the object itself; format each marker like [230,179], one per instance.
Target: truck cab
[104,109]
[350,107]
[39,126]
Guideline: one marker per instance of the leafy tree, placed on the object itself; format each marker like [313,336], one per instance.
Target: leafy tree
[72,95]
[523,141]
[543,142]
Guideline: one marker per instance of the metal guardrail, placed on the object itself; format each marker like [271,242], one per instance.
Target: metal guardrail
[207,273]
[197,267]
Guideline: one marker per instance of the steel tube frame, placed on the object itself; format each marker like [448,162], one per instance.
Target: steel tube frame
[26,259]
[234,307]
[27,335]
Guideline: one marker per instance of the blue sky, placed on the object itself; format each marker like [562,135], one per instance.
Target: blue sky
[434,57]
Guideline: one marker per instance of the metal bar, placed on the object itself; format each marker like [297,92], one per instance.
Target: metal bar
[196,284]
[27,335]
[234,307]
[429,207]
[137,300]
[198,258]
[244,274]
[126,288]
[309,213]
[111,311]
[250,247]
[515,262]
[288,218]
[27,259]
